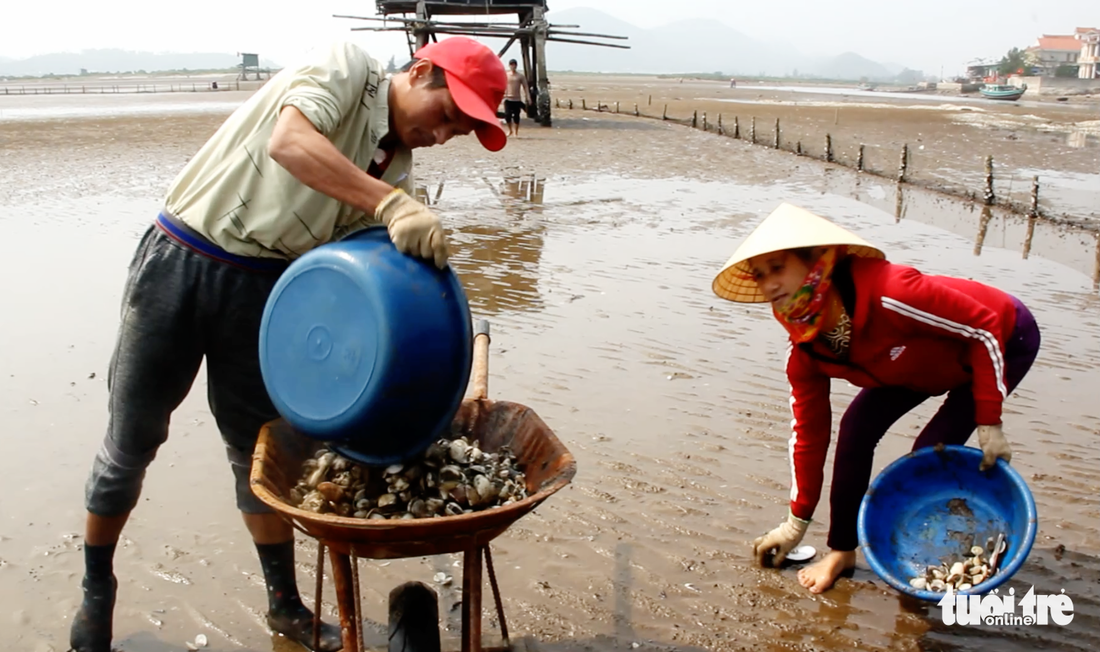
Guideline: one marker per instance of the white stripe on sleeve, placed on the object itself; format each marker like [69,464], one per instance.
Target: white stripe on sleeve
[983,336]
[794,434]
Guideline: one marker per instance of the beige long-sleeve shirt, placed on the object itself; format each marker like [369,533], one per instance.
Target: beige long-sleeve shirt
[235,195]
[516,88]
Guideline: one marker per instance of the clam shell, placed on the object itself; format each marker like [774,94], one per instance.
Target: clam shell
[459,450]
[918,583]
[419,509]
[331,491]
[450,473]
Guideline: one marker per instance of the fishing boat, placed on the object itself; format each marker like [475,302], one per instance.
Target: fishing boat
[1002,91]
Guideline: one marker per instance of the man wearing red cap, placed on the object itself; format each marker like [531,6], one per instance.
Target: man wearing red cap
[322,150]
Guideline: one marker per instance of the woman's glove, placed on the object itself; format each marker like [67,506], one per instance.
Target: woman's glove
[782,539]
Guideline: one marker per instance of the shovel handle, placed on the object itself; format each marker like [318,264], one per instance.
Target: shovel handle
[479,376]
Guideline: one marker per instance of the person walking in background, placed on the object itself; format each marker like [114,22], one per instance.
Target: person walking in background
[516,97]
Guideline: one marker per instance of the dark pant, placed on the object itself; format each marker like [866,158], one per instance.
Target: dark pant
[511,111]
[178,306]
[875,409]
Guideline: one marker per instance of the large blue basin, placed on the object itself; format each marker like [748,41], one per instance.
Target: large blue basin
[933,504]
[367,348]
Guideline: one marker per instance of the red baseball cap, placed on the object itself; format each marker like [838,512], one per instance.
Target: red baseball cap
[476,79]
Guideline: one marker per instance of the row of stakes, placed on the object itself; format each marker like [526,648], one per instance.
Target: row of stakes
[988,196]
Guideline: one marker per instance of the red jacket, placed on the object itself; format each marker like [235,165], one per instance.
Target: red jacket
[927,333]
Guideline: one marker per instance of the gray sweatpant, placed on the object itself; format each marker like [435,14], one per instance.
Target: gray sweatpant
[179,305]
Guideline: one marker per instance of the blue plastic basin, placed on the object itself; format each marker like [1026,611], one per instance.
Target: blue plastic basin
[367,348]
[930,506]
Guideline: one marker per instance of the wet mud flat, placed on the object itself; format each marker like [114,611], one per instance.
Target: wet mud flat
[590,247]
[948,137]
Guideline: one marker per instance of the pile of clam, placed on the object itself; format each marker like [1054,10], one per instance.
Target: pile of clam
[960,576]
[453,477]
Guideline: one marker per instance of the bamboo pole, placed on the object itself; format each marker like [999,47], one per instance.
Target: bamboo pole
[776,144]
[903,165]
[828,148]
[859,159]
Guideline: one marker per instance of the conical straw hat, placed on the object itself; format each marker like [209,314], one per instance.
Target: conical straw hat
[787,227]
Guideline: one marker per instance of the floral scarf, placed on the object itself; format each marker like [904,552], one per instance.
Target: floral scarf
[802,314]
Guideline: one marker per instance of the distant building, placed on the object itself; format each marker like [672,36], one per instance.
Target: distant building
[1088,60]
[982,71]
[1052,52]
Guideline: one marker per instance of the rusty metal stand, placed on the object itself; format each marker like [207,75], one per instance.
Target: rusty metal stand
[346,578]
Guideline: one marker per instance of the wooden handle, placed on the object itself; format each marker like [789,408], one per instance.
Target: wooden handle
[479,376]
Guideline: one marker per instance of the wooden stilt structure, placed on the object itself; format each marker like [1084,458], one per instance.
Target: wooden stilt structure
[417,18]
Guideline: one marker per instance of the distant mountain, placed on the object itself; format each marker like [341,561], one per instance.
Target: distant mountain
[697,45]
[852,66]
[110,61]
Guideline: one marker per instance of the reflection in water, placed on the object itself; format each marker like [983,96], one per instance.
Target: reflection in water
[1096,268]
[1030,235]
[1068,245]
[983,228]
[501,245]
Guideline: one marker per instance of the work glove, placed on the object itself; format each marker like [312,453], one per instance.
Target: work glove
[782,539]
[994,445]
[413,228]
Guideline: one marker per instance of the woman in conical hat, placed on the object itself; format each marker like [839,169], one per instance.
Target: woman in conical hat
[901,335]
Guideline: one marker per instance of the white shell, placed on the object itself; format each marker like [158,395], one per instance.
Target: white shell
[918,583]
[801,553]
[201,641]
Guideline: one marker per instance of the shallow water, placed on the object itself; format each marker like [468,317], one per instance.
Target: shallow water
[590,247]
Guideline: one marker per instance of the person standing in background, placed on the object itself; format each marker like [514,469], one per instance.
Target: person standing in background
[516,97]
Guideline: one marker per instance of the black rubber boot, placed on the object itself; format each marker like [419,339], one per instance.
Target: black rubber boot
[286,614]
[91,629]
[414,618]
[298,626]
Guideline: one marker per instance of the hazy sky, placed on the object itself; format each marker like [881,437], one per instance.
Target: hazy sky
[927,34]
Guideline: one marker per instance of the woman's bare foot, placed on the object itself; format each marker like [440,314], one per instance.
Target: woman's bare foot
[820,575]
